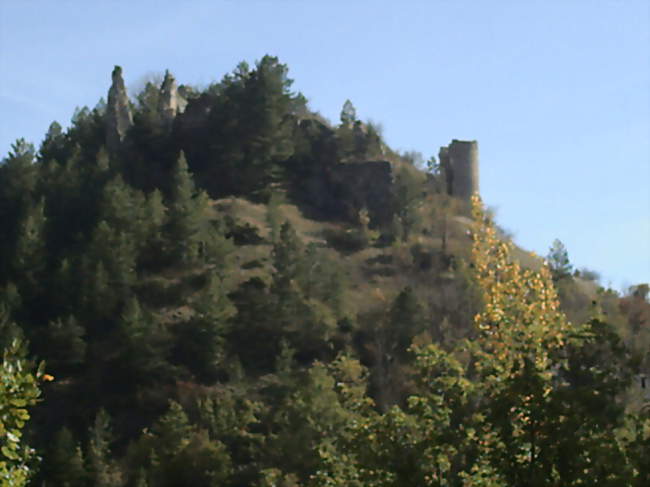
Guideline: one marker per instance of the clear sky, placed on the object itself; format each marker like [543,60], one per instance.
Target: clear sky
[557,92]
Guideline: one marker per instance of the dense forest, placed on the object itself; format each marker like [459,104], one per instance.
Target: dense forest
[219,287]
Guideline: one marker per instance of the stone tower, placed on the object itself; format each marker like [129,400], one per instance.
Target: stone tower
[459,162]
[118,112]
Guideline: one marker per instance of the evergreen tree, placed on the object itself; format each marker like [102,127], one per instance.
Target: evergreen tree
[66,346]
[29,259]
[348,114]
[287,262]
[405,320]
[54,146]
[558,261]
[109,267]
[64,464]
[9,330]
[141,351]
[122,207]
[186,219]
[251,130]
[185,455]
[18,182]
[200,343]
[407,197]
[309,415]
[154,219]
[102,470]
[323,278]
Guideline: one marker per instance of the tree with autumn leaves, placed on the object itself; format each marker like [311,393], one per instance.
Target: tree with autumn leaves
[534,400]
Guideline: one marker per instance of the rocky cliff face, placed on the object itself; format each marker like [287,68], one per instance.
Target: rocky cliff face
[118,113]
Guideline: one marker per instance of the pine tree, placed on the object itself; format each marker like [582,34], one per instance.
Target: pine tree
[154,218]
[348,114]
[54,147]
[142,347]
[29,259]
[64,462]
[18,182]
[406,320]
[116,252]
[173,431]
[558,261]
[407,198]
[102,470]
[200,343]
[251,130]
[186,220]
[66,345]
[122,207]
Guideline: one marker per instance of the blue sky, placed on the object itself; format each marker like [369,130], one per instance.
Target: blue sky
[557,93]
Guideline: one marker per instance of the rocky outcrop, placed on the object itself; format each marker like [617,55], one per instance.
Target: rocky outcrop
[118,112]
[171,102]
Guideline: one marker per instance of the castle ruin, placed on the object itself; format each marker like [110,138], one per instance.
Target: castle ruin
[459,163]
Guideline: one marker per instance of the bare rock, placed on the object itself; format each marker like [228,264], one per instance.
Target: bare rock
[118,112]
[171,102]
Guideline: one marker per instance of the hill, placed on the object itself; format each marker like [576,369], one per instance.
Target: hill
[225,285]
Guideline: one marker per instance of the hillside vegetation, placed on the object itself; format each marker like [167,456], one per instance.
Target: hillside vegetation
[226,289]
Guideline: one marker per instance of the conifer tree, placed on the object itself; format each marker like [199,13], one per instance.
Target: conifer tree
[558,260]
[406,320]
[18,182]
[287,261]
[154,218]
[185,455]
[64,462]
[251,129]
[9,330]
[200,343]
[407,198]
[348,114]
[141,351]
[115,252]
[102,470]
[53,147]
[122,207]
[288,264]
[185,223]
[173,430]
[66,345]
[29,259]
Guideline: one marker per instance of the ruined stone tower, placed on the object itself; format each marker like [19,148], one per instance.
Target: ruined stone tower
[118,112]
[459,162]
